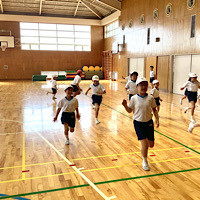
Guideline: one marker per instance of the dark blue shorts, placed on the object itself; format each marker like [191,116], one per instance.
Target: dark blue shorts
[151,79]
[186,92]
[69,118]
[54,90]
[75,88]
[192,96]
[144,130]
[157,101]
[96,99]
[130,95]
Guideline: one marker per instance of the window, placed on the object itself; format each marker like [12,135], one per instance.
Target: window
[193,23]
[155,14]
[55,37]
[168,9]
[190,4]
[111,29]
[148,36]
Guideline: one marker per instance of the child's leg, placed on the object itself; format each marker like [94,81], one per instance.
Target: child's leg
[192,106]
[151,143]
[158,109]
[192,126]
[144,151]
[97,107]
[66,130]
[71,129]
[184,97]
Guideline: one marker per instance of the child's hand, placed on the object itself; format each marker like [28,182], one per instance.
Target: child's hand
[81,90]
[181,88]
[124,102]
[86,93]
[78,116]
[54,119]
[161,100]
[157,123]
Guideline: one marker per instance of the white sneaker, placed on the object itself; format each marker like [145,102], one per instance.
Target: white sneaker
[186,109]
[97,121]
[191,127]
[67,141]
[93,107]
[181,101]
[145,166]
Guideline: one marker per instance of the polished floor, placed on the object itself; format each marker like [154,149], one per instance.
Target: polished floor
[102,161]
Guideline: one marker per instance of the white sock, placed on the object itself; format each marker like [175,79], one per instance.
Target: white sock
[145,161]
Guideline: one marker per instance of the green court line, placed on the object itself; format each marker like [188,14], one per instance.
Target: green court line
[99,183]
[156,131]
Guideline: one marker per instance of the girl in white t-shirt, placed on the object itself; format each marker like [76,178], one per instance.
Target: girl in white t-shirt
[192,86]
[142,106]
[97,91]
[155,93]
[68,105]
[152,75]
[53,87]
[75,83]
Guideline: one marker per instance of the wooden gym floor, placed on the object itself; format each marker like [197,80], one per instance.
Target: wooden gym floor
[36,164]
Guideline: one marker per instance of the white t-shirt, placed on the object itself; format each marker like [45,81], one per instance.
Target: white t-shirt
[97,89]
[77,80]
[155,93]
[191,86]
[152,74]
[142,107]
[131,86]
[68,105]
[53,84]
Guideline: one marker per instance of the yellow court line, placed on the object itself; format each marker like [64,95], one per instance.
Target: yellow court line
[61,161]
[98,169]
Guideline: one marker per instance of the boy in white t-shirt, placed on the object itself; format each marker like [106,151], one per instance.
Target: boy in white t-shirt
[131,85]
[97,91]
[53,87]
[142,106]
[68,105]
[127,78]
[75,83]
[155,93]
[152,75]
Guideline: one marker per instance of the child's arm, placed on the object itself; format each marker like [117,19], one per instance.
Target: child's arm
[57,113]
[185,85]
[160,99]
[124,103]
[87,91]
[78,87]
[155,112]
[77,114]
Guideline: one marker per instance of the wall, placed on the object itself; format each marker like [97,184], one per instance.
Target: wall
[22,64]
[173,30]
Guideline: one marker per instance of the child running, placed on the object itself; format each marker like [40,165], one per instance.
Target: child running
[75,83]
[142,106]
[53,87]
[68,105]
[155,93]
[127,78]
[192,85]
[97,91]
[131,85]
[152,75]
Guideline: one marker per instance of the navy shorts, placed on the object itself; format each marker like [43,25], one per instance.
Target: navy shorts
[157,101]
[151,79]
[144,130]
[54,90]
[96,99]
[186,92]
[192,96]
[130,95]
[69,118]
[75,88]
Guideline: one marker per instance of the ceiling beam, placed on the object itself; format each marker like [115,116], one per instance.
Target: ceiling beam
[40,11]
[77,7]
[1,6]
[111,3]
[92,8]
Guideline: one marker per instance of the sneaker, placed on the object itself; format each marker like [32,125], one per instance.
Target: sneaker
[47,93]
[97,121]
[67,141]
[186,109]
[145,166]
[181,101]
[191,127]
[93,107]
[54,98]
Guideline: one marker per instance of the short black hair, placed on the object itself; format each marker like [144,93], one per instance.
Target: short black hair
[152,66]
[134,73]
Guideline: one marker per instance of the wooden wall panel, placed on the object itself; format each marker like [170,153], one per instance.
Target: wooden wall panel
[22,64]
[163,72]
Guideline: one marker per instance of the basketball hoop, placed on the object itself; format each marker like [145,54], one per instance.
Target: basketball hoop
[3,48]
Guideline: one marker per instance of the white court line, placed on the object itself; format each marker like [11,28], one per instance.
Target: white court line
[77,170]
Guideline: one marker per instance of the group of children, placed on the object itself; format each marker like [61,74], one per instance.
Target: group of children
[140,103]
